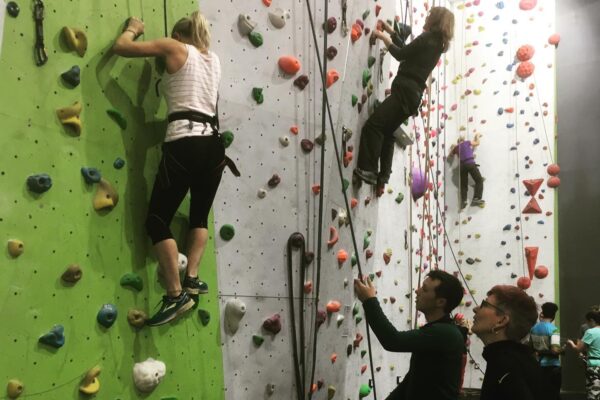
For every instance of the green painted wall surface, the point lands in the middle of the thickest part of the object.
(60, 227)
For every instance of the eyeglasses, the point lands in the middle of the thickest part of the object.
(485, 303)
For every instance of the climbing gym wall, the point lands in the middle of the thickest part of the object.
(78, 258)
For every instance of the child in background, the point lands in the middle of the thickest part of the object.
(464, 149)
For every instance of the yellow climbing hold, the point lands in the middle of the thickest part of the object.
(76, 39)
(15, 247)
(14, 388)
(69, 116)
(106, 195)
(90, 383)
(330, 392)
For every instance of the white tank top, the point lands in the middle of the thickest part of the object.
(193, 87)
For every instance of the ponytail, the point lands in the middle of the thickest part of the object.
(195, 27)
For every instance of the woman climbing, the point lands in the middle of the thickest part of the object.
(417, 60)
(468, 166)
(193, 154)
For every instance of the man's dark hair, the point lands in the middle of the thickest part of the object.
(593, 316)
(449, 289)
(549, 310)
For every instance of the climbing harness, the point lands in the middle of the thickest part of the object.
(40, 50)
(297, 241)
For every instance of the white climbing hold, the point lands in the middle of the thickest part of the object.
(148, 374)
(234, 312)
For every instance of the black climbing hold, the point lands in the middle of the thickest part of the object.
(470, 261)
(39, 183)
(506, 227)
(91, 175)
(204, 316)
(227, 232)
(503, 243)
(12, 8)
(119, 163)
(72, 76)
(296, 240)
(349, 350)
(331, 53)
(498, 264)
(301, 82)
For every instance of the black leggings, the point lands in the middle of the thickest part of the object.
(465, 171)
(376, 149)
(192, 163)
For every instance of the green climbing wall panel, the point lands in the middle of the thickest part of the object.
(60, 227)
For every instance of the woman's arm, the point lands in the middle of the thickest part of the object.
(126, 46)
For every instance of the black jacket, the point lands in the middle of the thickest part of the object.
(418, 58)
(436, 348)
(512, 372)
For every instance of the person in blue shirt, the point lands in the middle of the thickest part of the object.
(590, 344)
(545, 340)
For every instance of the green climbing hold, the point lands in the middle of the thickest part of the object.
(227, 232)
(345, 184)
(399, 198)
(227, 138)
(366, 14)
(204, 316)
(354, 100)
(320, 139)
(366, 240)
(372, 277)
(169, 398)
(258, 340)
(364, 391)
(355, 309)
(358, 319)
(371, 61)
(353, 260)
(257, 95)
(132, 280)
(255, 38)
(376, 104)
(118, 117)
(363, 353)
(366, 77)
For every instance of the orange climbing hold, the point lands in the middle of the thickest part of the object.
(333, 237)
(289, 64)
(333, 358)
(356, 32)
(353, 203)
(554, 39)
(267, 3)
(554, 182)
(531, 254)
(308, 286)
(333, 306)
(294, 129)
(524, 282)
(525, 69)
(525, 52)
(342, 256)
(332, 77)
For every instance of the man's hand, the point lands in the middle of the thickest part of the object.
(364, 292)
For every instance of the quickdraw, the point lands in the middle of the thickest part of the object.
(41, 57)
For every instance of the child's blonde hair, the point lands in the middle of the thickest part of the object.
(195, 27)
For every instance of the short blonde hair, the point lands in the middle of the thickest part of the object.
(195, 27)
(441, 20)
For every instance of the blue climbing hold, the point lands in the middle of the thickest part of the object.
(39, 183)
(119, 163)
(507, 227)
(91, 175)
(500, 110)
(72, 76)
(55, 338)
(531, 129)
(536, 141)
(540, 222)
(496, 18)
(501, 53)
(107, 315)
(516, 93)
(511, 125)
(500, 5)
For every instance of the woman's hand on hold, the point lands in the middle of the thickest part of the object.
(136, 25)
(364, 291)
(386, 27)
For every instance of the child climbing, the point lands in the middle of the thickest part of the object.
(464, 149)
(417, 60)
(193, 154)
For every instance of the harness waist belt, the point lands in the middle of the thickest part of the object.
(195, 116)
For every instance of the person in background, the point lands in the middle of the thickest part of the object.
(590, 345)
(464, 149)
(193, 153)
(417, 60)
(502, 321)
(545, 340)
(437, 347)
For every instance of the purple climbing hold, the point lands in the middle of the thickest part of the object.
(331, 53)
(273, 324)
(418, 184)
(321, 317)
(306, 145)
(331, 25)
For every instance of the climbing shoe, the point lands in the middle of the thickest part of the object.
(171, 308)
(365, 176)
(478, 203)
(194, 286)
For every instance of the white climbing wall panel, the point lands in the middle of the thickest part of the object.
(252, 266)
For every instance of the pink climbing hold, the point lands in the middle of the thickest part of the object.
(321, 317)
(377, 10)
(289, 64)
(553, 169)
(353, 203)
(554, 39)
(554, 182)
(273, 324)
(333, 358)
(541, 272)
(308, 286)
(527, 5)
(333, 306)
(525, 69)
(524, 282)
(369, 253)
(418, 184)
(525, 52)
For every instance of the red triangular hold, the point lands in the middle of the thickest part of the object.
(531, 254)
(533, 185)
(532, 207)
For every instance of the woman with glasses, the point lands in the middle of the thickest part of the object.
(502, 321)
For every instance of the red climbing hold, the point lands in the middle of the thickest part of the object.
(554, 39)
(531, 254)
(527, 5)
(342, 256)
(554, 182)
(333, 358)
(553, 169)
(356, 32)
(525, 52)
(524, 282)
(308, 286)
(332, 77)
(541, 272)
(363, 369)
(525, 69)
(333, 306)
(533, 185)
(369, 253)
(333, 237)
(532, 207)
(316, 189)
(289, 64)
(267, 3)
(294, 129)
(347, 158)
(353, 203)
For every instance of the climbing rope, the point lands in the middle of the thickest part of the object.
(327, 107)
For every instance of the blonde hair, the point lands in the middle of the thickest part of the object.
(441, 20)
(195, 27)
